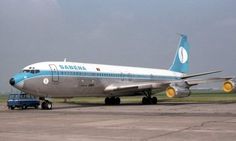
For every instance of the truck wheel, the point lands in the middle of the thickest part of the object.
(24, 107)
(12, 107)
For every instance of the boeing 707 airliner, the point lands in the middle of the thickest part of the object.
(69, 79)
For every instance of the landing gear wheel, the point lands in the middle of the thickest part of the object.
(49, 105)
(149, 100)
(107, 101)
(43, 105)
(154, 100)
(145, 101)
(46, 105)
(117, 101)
(112, 100)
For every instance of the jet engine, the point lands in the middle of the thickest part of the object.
(229, 86)
(177, 92)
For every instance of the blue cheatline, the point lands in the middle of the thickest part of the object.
(181, 61)
(25, 76)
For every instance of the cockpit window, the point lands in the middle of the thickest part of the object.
(31, 71)
(26, 71)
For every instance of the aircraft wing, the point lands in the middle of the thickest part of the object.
(200, 74)
(143, 86)
(193, 82)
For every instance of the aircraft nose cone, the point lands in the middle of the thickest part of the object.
(12, 81)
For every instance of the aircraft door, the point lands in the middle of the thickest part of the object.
(55, 73)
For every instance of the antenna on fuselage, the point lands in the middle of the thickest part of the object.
(64, 59)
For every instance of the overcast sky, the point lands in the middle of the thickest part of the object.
(121, 32)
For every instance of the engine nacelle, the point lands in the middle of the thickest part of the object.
(229, 86)
(177, 92)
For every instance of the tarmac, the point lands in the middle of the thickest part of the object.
(161, 122)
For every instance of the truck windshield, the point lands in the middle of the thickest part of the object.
(12, 96)
(23, 96)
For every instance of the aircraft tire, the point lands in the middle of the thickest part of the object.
(46, 105)
(154, 100)
(112, 100)
(107, 101)
(117, 101)
(49, 105)
(145, 101)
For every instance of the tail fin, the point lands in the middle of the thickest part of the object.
(181, 62)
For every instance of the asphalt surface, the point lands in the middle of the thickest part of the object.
(162, 122)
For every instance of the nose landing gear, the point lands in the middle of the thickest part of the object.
(46, 104)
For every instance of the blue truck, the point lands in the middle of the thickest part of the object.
(22, 101)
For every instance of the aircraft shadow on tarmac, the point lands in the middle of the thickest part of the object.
(69, 105)
(72, 105)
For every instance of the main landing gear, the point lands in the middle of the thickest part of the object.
(46, 104)
(112, 100)
(148, 99)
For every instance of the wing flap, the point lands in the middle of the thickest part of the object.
(142, 86)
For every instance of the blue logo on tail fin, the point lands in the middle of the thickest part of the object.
(181, 62)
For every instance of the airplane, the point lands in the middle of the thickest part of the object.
(63, 79)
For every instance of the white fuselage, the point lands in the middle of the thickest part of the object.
(69, 79)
